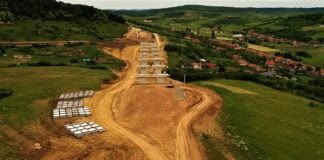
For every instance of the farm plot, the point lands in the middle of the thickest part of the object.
(262, 48)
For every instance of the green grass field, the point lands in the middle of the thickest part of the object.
(262, 48)
(56, 30)
(34, 91)
(71, 56)
(316, 52)
(33, 84)
(269, 125)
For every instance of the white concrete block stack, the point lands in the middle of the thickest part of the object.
(82, 129)
(72, 105)
(71, 112)
(78, 95)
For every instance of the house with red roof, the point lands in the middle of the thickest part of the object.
(270, 64)
(242, 62)
(321, 72)
(209, 65)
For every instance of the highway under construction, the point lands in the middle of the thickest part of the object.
(143, 118)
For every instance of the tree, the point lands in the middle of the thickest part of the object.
(303, 54)
(2, 50)
(188, 31)
(213, 34)
(221, 69)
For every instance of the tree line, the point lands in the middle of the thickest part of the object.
(51, 10)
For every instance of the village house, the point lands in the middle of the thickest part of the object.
(238, 36)
(209, 65)
(242, 62)
(236, 57)
(203, 65)
(321, 72)
(196, 65)
(147, 21)
(270, 64)
(278, 59)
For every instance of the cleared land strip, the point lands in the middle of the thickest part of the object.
(230, 88)
(186, 144)
(103, 101)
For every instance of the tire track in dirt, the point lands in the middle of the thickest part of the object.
(186, 144)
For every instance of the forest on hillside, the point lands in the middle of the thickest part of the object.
(14, 10)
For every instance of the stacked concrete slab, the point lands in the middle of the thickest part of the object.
(85, 128)
(78, 94)
(152, 64)
(72, 105)
(71, 112)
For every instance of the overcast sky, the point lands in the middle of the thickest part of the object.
(146, 4)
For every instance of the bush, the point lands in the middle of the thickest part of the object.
(43, 63)
(109, 79)
(303, 54)
(36, 45)
(70, 44)
(5, 93)
(96, 66)
(291, 56)
(73, 60)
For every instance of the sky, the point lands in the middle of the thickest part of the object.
(150, 4)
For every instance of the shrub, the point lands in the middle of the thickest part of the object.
(303, 54)
(5, 93)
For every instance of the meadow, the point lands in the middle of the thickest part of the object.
(317, 53)
(35, 90)
(268, 125)
(62, 56)
(262, 48)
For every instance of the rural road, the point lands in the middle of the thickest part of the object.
(186, 146)
(104, 100)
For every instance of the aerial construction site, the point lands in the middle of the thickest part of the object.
(142, 115)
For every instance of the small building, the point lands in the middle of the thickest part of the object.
(236, 57)
(242, 62)
(238, 36)
(196, 65)
(270, 64)
(278, 59)
(321, 72)
(147, 21)
(209, 65)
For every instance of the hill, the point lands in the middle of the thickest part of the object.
(229, 20)
(28, 20)
(52, 10)
(265, 123)
(212, 9)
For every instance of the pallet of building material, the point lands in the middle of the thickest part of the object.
(82, 129)
(70, 103)
(77, 95)
(71, 112)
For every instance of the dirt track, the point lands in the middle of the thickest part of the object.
(105, 101)
(186, 145)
